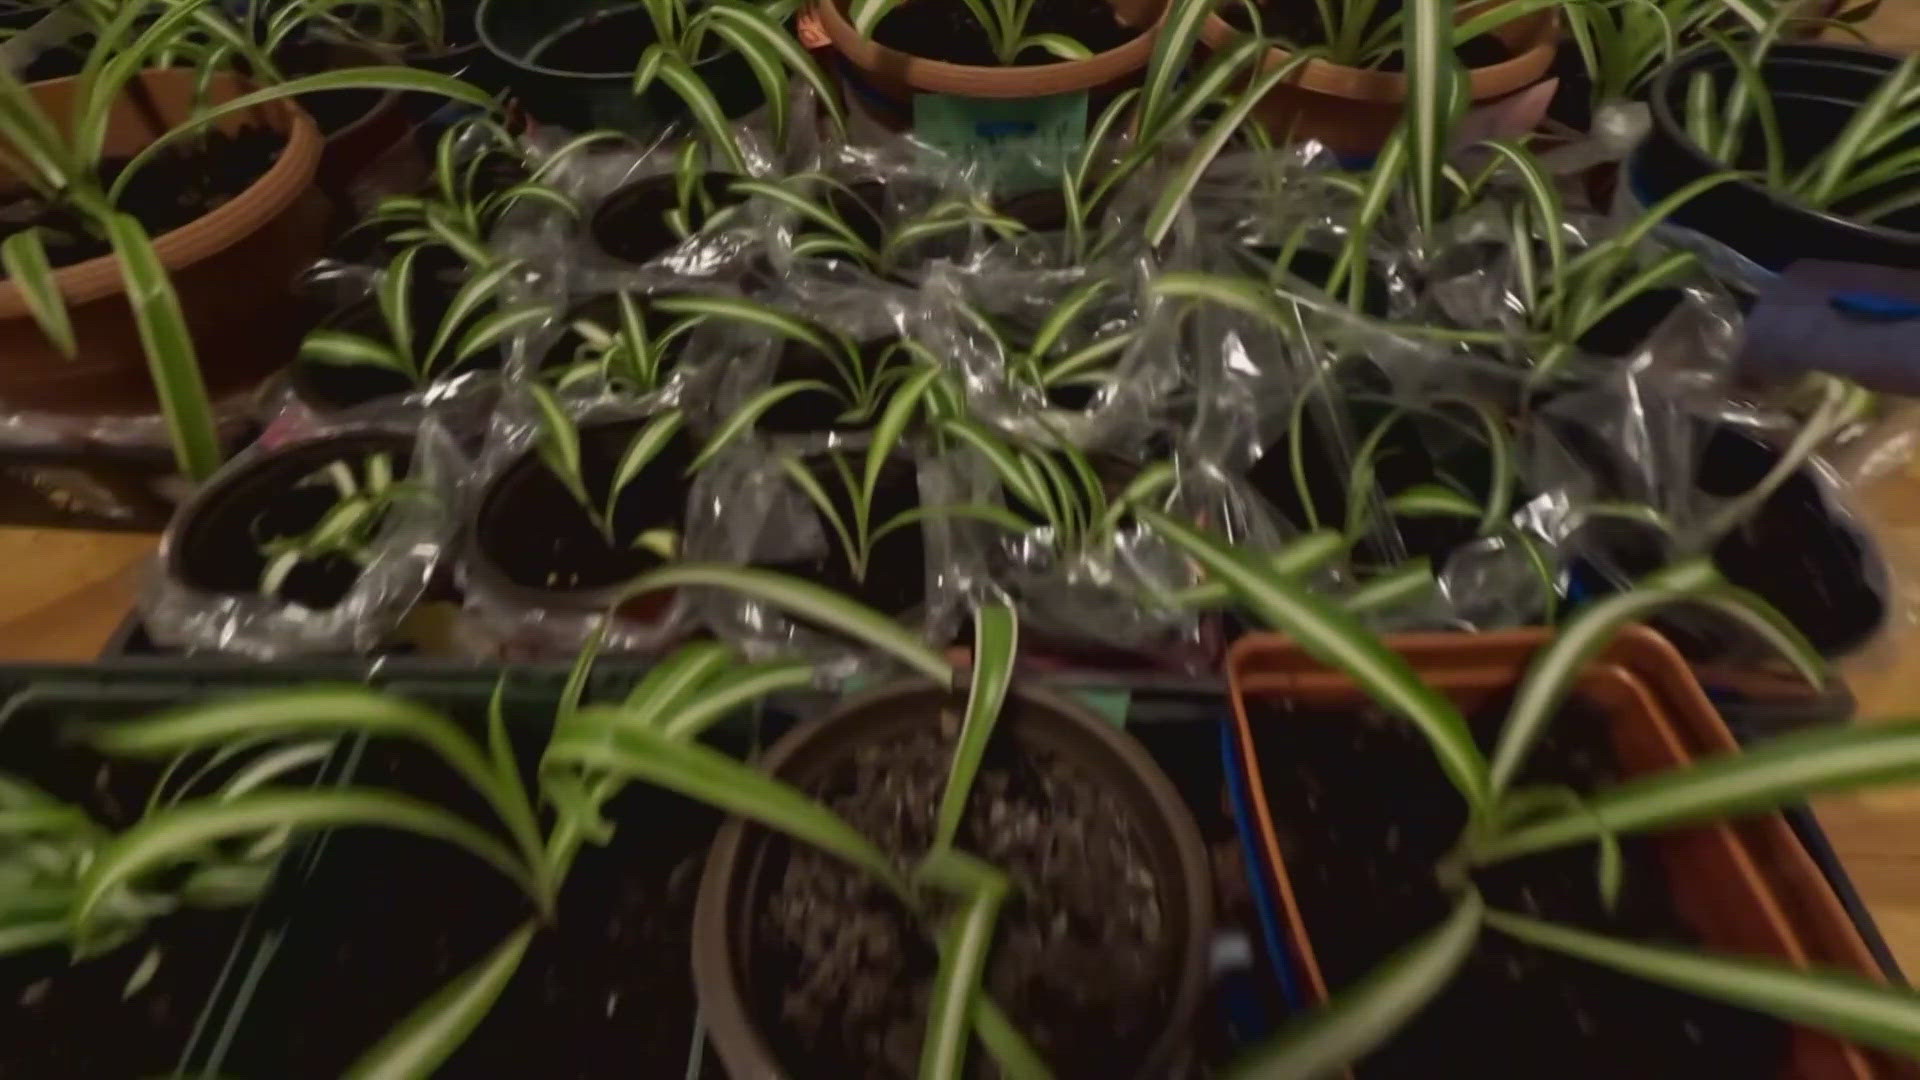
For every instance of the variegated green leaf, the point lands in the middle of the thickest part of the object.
(996, 644)
(417, 1047)
(25, 259)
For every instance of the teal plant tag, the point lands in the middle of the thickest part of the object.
(1021, 144)
(1110, 704)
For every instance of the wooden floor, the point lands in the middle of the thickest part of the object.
(63, 593)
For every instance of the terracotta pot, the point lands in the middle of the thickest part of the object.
(1746, 888)
(898, 76)
(722, 923)
(233, 269)
(1353, 110)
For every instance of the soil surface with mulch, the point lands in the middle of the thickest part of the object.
(1364, 815)
(184, 182)
(841, 973)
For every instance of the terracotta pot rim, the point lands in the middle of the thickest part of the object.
(221, 228)
(1534, 38)
(981, 81)
(717, 981)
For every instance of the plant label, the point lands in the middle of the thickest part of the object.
(1021, 145)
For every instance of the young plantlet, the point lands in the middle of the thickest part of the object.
(1057, 486)
(62, 162)
(468, 199)
(477, 319)
(1047, 360)
(1005, 23)
(685, 34)
(821, 206)
(361, 510)
(559, 449)
(627, 357)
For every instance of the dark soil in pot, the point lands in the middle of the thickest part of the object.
(602, 43)
(1301, 25)
(817, 411)
(217, 548)
(951, 32)
(77, 1019)
(1795, 551)
(1624, 329)
(1362, 871)
(841, 972)
(539, 538)
(181, 184)
(896, 575)
(631, 224)
(387, 918)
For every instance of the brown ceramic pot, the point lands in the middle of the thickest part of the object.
(899, 75)
(233, 270)
(1353, 110)
(1746, 887)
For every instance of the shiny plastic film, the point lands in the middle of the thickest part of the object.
(314, 540)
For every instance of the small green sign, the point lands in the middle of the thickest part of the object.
(1022, 144)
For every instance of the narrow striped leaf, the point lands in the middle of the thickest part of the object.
(770, 36)
(409, 80)
(996, 644)
(738, 688)
(25, 258)
(559, 444)
(1432, 75)
(766, 68)
(1412, 579)
(852, 535)
(1869, 121)
(476, 291)
(346, 349)
(807, 601)
(963, 956)
(900, 410)
(25, 937)
(493, 328)
(1433, 500)
(1059, 45)
(1064, 315)
(1852, 1007)
(1337, 639)
(1550, 677)
(1179, 31)
(185, 830)
(1365, 1015)
(646, 446)
(1001, 458)
(997, 516)
(671, 680)
(1174, 194)
(1302, 556)
(1146, 484)
(749, 412)
(705, 108)
(171, 360)
(711, 777)
(1075, 179)
(421, 1043)
(1003, 1042)
(394, 294)
(1783, 770)
(748, 313)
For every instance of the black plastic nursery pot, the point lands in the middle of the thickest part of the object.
(570, 63)
(1816, 89)
(631, 223)
(214, 544)
(531, 542)
(804, 970)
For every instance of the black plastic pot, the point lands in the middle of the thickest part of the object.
(1816, 89)
(571, 63)
(743, 866)
(631, 224)
(214, 544)
(532, 543)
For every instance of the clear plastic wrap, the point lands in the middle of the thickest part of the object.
(748, 509)
(511, 619)
(396, 562)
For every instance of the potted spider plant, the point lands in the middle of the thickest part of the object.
(411, 338)
(620, 64)
(1498, 918)
(1829, 131)
(882, 810)
(644, 222)
(1372, 59)
(151, 215)
(318, 545)
(996, 49)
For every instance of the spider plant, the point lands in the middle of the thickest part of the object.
(62, 162)
(1057, 353)
(1506, 821)
(467, 200)
(413, 24)
(686, 34)
(1870, 157)
(559, 448)
(1005, 23)
(1062, 497)
(812, 197)
(475, 320)
(361, 507)
(629, 357)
